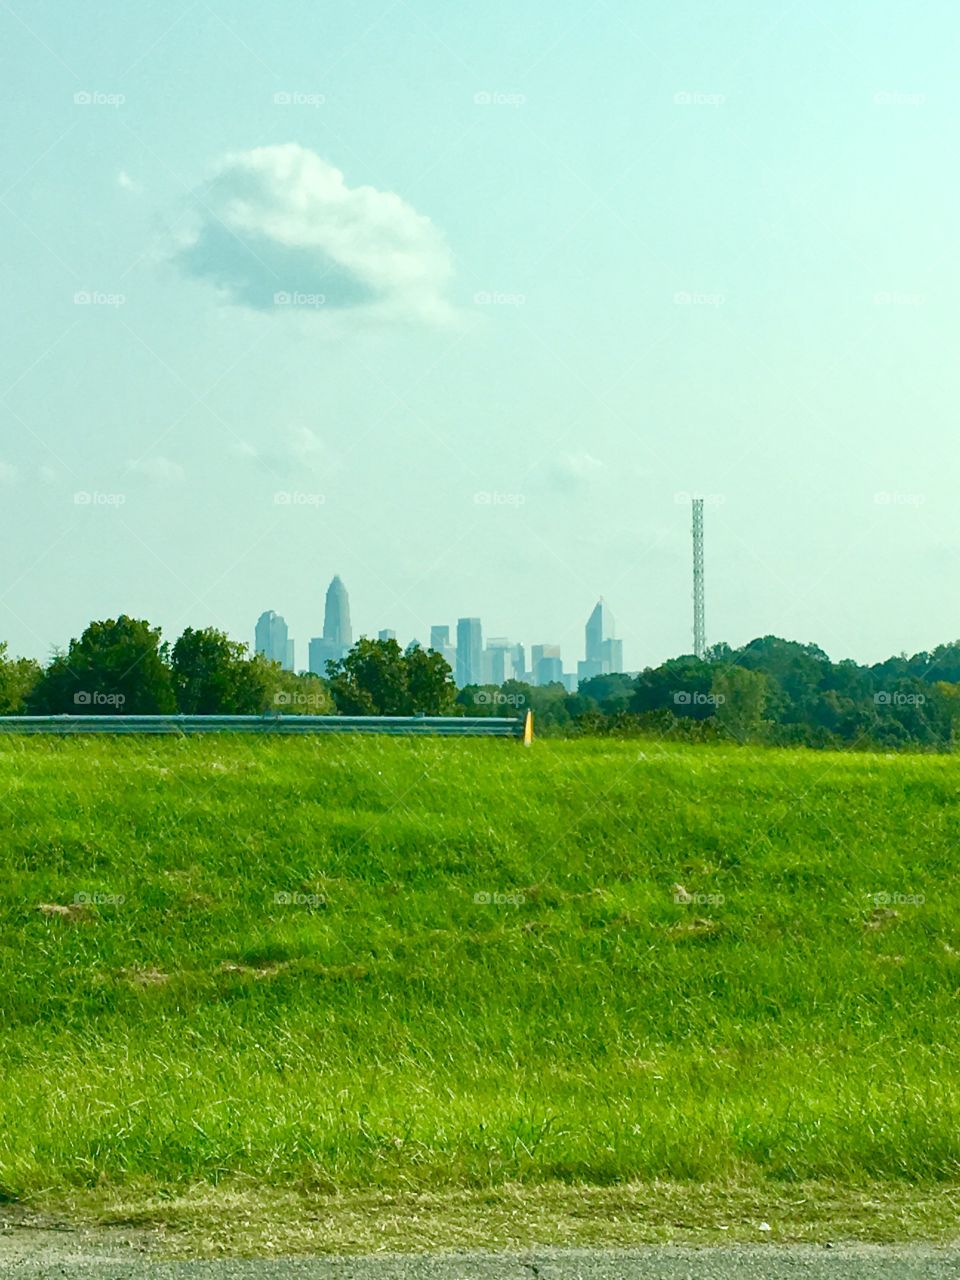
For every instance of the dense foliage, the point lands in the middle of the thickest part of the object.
(770, 690)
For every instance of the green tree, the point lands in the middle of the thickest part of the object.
(740, 697)
(430, 684)
(18, 677)
(117, 667)
(298, 693)
(214, 675)
(377, 678)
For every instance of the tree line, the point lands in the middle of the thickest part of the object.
(122, 666)
(768, 691)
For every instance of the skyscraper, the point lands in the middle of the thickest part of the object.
(469, 651)
(337, 634)
(440, 643)
(336, 615)
(271, 639)
(386, 635)
(604, 654)
(599, 626)
(546, 663)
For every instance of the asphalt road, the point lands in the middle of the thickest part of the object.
(750, 1262)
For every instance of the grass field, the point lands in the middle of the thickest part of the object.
(338, 965)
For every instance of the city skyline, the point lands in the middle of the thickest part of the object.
(471, 660)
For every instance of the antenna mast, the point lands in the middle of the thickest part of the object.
(699, 627)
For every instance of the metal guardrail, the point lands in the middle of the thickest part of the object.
(520, 727)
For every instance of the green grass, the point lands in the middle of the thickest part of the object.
(385, 1031)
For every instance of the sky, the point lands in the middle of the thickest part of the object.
(464, 301)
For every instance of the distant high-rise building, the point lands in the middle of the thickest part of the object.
(604, 654)
(546, 664)
(469, 652)
(440, 643)
(336, 615)
(386, 635)
(337, 634)
(519, 662)
(548, 671)
(497, 660)
(271, 639)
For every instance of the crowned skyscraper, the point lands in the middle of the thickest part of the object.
(337, 634)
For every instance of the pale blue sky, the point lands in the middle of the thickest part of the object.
(621, 252)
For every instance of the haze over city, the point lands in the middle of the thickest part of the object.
(464, 303)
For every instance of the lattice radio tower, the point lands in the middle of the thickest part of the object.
(699, 626)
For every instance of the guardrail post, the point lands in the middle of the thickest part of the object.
(528, 729)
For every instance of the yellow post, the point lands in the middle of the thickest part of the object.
(528, 729)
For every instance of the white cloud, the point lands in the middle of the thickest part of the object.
(293, 450)
(278, 229)
(574, 470)
(158, 470)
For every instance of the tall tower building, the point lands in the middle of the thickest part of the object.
(337, 633)
(604, 654)
(469, 652)
(336, 615)
(440, 643)
(271, 639)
